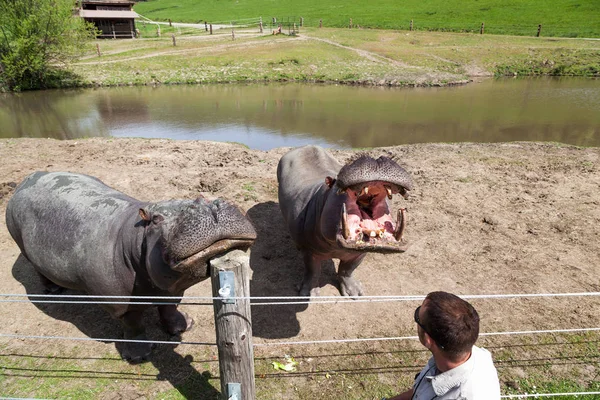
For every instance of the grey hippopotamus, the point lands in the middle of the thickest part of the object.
(81, 234)
(335, 211)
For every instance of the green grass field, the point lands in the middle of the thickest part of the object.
(564, 18)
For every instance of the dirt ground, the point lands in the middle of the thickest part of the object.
(483, 219)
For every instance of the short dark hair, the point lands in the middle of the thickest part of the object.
(452, 322)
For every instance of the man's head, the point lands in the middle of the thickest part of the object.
(451, 322)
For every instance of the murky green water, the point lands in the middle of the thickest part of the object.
(563, 110)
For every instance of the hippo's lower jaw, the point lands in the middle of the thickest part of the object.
(372, 246)
(196, 266)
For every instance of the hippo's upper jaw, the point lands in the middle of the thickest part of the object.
(366, 223)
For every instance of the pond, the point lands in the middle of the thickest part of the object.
(267, 116)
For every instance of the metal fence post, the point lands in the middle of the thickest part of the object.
(230, 277)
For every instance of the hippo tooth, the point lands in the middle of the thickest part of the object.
(400, 224)
(341, 191)
(389, 192)
(366, 190)
(359, 237)
(345, 229)
(372, 234)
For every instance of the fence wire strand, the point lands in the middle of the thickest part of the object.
(291, 343)
(281, 300)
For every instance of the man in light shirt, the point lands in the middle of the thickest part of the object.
(448, 326)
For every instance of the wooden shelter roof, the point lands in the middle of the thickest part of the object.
(125, 14)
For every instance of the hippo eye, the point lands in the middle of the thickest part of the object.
(157, 219)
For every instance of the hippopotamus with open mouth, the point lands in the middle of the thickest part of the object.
(336, 211)
(81, 234)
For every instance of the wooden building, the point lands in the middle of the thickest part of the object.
(114, 18)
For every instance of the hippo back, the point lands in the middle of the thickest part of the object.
(300, 174)
(64, 223)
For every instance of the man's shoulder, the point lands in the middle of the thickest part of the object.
(483, 382)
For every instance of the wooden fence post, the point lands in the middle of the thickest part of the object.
(98, 49)
(232, 35)
(260, 27)
(158, 30)
(211, 29)
(320, 23)
(411, 24)
(206, 26)
(301, 21)
(482, 28)
(173, 36)
(350, 25)
(539, 30)
(233, 324)
(170, 24)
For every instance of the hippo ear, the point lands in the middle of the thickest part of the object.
(329, 181)
(145, 214)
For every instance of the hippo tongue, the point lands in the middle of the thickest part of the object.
(377, 235)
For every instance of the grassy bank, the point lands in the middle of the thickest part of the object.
(566, 18)
(357, 56)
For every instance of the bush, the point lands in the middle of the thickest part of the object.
(38, 40)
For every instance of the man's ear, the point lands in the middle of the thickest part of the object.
(329, 181)
(428, 341)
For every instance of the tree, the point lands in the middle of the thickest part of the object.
(38, 40)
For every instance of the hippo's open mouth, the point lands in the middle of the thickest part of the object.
(366, 223)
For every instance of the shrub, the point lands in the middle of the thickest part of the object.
(38, 40)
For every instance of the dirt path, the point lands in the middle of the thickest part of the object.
(483, 219)
(378, 58)
(210, 49)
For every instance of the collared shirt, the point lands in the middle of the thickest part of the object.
(475, 379)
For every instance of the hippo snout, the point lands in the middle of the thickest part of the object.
(190, 227)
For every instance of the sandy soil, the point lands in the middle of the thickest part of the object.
(483, 219)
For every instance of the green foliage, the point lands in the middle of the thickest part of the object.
(38, 39)
(565, 18)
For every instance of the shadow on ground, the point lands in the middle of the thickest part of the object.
(277, 271)
(96, 323)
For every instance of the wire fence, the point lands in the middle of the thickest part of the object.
(292, 24)
(284, 300)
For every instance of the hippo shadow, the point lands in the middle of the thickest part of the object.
(95, 322)
(277, 270)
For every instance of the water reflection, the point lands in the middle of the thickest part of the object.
(268, 116)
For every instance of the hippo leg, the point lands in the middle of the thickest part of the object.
(312, 271)
(348, 285)
(134, 330)
(173, 320)
(49, 286)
